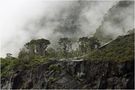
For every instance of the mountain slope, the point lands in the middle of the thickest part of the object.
(110, 66)
(120, 49)
(116, 20)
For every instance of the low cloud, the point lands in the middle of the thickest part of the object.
(23, 20)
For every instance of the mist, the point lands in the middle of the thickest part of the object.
(23, 20)
(118, 21)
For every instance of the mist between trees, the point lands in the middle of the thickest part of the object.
(65, 49)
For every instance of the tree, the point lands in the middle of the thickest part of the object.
(86, 44)
(51, 52)
(8, 55)
(31, 46)
(37, 46)
(42, 45)
(24, 55)
(93, 43)
(83, 44)
(65, 44)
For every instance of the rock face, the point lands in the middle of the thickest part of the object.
(74, 75)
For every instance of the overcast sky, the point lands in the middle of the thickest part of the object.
(14, 14)
(23, 20)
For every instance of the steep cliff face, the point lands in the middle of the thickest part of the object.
(74, 74)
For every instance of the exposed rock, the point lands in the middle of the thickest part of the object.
(81, 74)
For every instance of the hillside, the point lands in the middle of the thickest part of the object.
(120, 49)
(109, 66)
(114, 21)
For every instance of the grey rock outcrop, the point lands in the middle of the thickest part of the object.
(75, 75)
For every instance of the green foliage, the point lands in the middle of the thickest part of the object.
(88, 44)
(121, 49)
(33, 62)
(25, 60)
(51, 53)
(55, 67)
(7, 66)
(66, 45)
(24, 56)
(38, 41)
(93, 42)
(37, 46)
(83, 44)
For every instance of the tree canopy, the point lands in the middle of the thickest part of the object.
(65, 44)
(37, 46)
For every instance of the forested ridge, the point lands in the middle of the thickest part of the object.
(37, 52)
